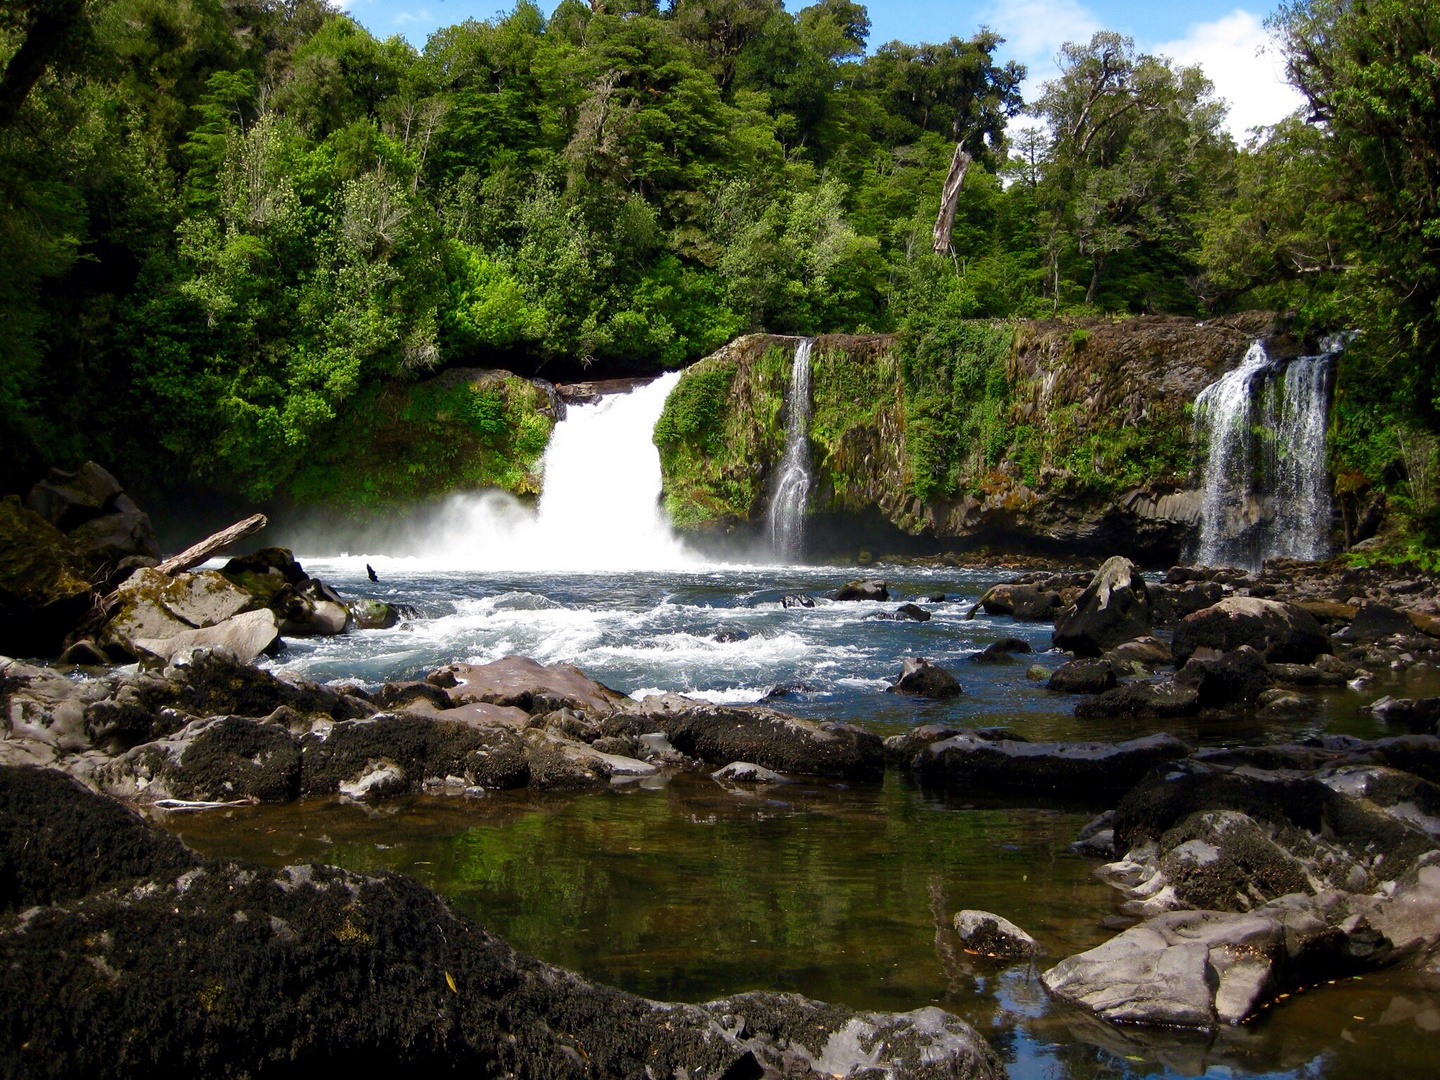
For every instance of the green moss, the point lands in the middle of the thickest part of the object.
(719, 434)
(409, 441)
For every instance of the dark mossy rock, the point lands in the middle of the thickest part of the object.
(1282, 633)
(1114, 609)
(59, 842)
(1163, 699)
(1075, 770)
(214, 684)
(720, 734)
(44, 589)
(391, 755)
(265, 572)
(920, 677)
(210, 970)
(1238, 677)
(374, 614)
(862, 589)
(1093, 676)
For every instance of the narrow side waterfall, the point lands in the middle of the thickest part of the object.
(786, 516)
(1265, 488)
(599, 509)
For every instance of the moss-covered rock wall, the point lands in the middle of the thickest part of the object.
(464, 429)
(1060, 434)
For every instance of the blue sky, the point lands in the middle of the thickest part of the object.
(1226, 37)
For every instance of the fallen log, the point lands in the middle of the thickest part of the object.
(193, 556)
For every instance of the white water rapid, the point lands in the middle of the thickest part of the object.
(786, 516)
(1265, 489)
(599, 509)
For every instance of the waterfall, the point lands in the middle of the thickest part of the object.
(1265, 489)
(599, 509)
(786, 517)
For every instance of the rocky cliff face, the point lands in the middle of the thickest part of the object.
(1057, 435)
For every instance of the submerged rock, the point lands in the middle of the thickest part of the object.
(1165, 699)
(1114, 609)
(1234, 678)
(747, 772)
(221, 969)
(1000, 652)
(990, 935)
(921, 678)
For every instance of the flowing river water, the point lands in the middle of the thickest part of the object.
(684, 888)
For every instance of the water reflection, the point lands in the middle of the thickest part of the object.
(842, 893)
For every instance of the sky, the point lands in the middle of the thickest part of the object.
(1227, 38)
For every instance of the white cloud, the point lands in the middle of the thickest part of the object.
(403, 17)
(1034, 30)
(1238, 55)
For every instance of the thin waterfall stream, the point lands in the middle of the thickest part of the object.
(1264, 482)
(786, 516)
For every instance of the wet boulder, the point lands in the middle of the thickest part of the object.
(185, 965)
(1142, 654)
(1083, 677)
(561, 763)
(1029, 603)
(720, 734)
(863, 589)
(67, 499)
(124, 532)
(374, 614)
(920, 678)
(1163, 699)
(1234, 678)
(1282, 633)
(797, 600)
(44, 588)
(525, 684)
(1082, 770)
(1114, 609)
(1373, 621)
(987, 934)
(913, 612)
(1000, 652)
(1195, 969)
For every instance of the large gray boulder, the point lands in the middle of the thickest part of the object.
(1282, 633)
(150, 605)
(246, 637)
(1114, 609)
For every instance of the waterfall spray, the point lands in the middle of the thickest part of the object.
(1265, 489)
(786, 517)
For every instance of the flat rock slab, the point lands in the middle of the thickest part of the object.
(526, 684)
(246, 637)
(1082, 770)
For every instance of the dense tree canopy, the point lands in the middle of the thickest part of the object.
(221, 220)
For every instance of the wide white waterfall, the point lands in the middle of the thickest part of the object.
(786, 516)
(1265, 488)
(599, 509)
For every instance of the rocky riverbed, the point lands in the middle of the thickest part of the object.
(1245, 870)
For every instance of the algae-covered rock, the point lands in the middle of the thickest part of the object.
(44, 590)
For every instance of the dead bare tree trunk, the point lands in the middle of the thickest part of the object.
(213, 544)
(950, 197)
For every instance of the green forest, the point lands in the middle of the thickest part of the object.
(222, 221)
